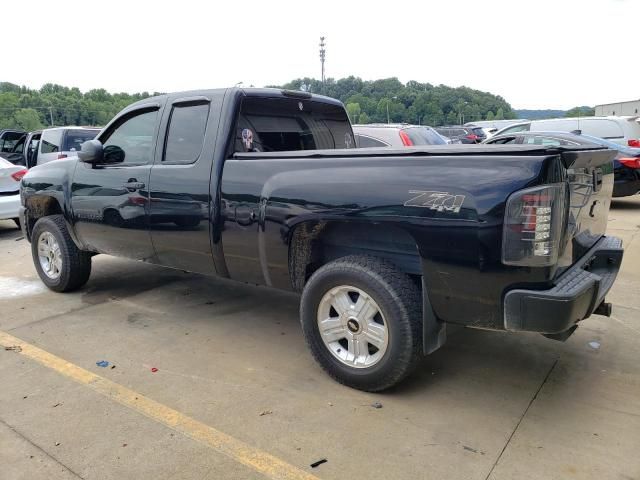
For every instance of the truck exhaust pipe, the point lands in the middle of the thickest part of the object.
(604, 308)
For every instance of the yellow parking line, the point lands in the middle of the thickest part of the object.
(239, 451)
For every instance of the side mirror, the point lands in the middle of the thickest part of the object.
(91, 152)
(112, 154)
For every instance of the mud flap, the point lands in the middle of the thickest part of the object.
(434, 332)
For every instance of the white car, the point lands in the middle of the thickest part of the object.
(10, 176)
(621, 130)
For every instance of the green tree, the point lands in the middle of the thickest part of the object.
(364, 118)
(353, 110)
(27, 119)
(580, 112)
(500, 114)
(490, 115)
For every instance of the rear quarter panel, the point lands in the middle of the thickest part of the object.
(460, 248)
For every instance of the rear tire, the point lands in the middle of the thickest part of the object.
(386, 339)
(60, 264)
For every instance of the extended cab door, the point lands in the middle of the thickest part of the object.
(180, 196)
(110, 203)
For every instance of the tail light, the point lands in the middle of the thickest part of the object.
(630, 162)
(17, 176)
(533, 226)
(473, 137)
(406, 141)
(634, 143)
(61, 156)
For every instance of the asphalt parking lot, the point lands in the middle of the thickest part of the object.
(212, 379)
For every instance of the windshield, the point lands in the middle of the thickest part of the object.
(424, 136)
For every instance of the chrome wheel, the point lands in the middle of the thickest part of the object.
(49, 255)
(352, 326)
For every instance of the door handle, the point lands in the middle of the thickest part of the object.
(132, 185)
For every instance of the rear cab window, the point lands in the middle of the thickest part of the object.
(76, 137)
(267, 124)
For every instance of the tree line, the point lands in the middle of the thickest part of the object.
(31, 109)
(366, 101)
(388, 99)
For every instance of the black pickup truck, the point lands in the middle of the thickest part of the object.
(386, 246)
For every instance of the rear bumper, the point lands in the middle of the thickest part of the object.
(577, 293)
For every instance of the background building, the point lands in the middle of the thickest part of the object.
(631, 107)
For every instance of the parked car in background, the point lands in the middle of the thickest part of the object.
(463, 134)
(626, 164)
(396, 135)
(62, 142)
(9, 138)
(495, 124)
(621, 130)
(10, 176)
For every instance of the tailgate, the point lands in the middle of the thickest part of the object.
(590, 176)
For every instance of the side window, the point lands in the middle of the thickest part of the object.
(185, 134)
(365, 142)
(51, 140)
(134, 136)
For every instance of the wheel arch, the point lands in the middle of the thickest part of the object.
(38, 206)
(314, 243)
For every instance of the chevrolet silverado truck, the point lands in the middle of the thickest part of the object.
(386, 246)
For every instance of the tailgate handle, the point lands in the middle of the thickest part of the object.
(597, 179)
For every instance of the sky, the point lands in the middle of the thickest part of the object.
(534, 53)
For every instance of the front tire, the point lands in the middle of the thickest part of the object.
(361, 317)
(60, 264)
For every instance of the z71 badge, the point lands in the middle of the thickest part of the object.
(439, 201)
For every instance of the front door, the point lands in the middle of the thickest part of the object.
(110, 203)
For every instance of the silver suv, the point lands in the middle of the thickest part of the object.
(396, 135)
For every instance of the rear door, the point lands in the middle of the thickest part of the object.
(180, 196)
